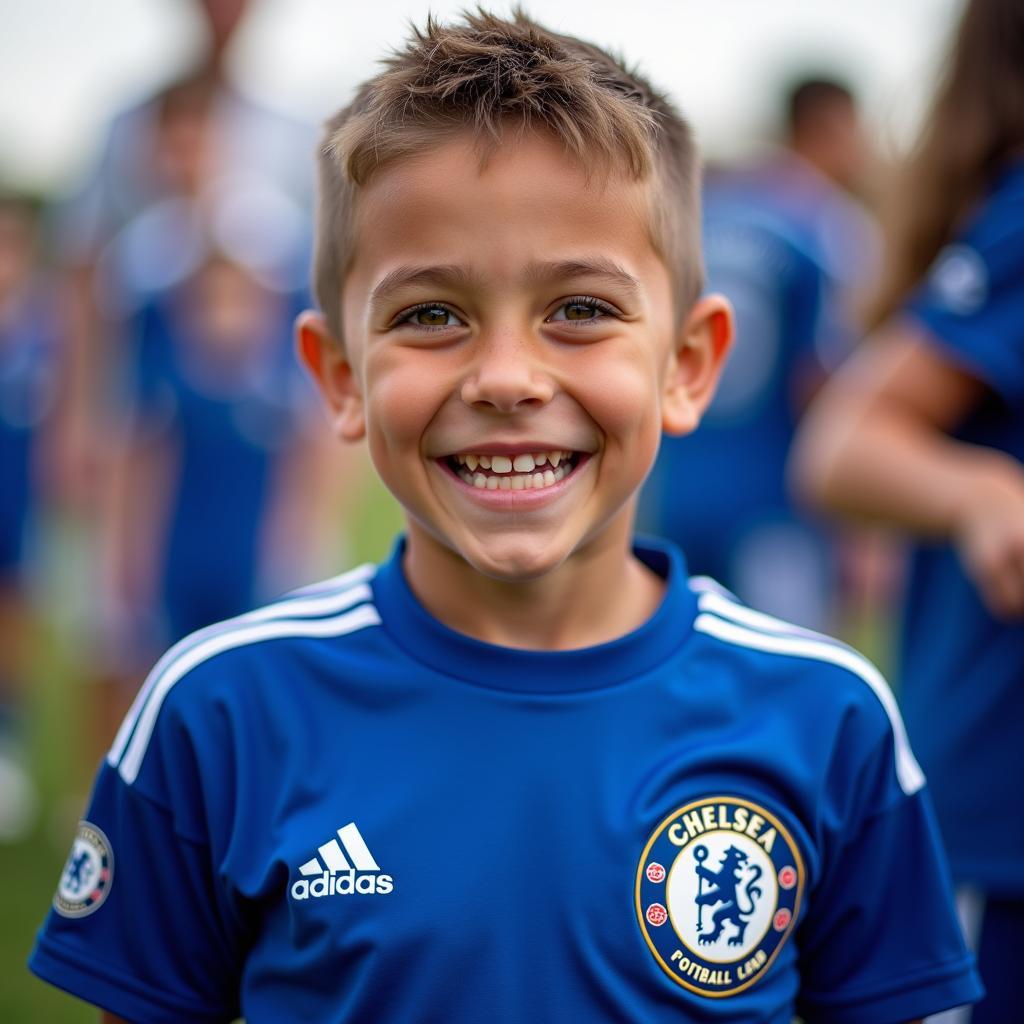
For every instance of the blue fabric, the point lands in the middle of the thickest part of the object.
(1002, 935)
(227, 424)
(720, 492)
(29, 354)
(961, 668)
(509, 803)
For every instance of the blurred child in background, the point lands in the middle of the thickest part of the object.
(194, 134)
(222, 447)
(924, 430)
(788, 244)
(199, 290)
(30, 349)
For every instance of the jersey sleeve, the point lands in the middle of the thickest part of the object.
(881, 941)
(139, 925)
(972, 302)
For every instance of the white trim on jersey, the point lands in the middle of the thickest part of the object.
(708, 584)
(246, 634)
(329, 597)
(908, 772)
(355, 591)
(360, 574)
(725, 606)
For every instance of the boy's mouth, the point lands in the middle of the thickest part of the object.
(522, 472)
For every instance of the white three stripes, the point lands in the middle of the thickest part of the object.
(334, 858)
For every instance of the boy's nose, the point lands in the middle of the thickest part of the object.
(507, 374)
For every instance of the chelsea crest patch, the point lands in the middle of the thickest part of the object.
(85, 880)
(718, 891)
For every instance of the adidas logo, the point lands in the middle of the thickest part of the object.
(335, 874)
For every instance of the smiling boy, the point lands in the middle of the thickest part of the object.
(527, 770)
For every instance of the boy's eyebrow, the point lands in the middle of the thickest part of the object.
(585, 266)
(452, 275)
(443, 276)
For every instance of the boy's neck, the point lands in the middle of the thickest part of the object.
(600, 593)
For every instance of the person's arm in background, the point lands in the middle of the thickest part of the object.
(875, 444)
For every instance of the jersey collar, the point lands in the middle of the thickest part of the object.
(413, 629)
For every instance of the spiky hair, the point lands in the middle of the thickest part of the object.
(491, 76)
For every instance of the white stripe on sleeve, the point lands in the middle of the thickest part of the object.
(296, 608)
(246, 633)
(909, 773)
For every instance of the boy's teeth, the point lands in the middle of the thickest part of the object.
(507, 481)
(526, 462)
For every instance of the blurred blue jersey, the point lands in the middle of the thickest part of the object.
(337, 809)
(962, 670)
(721, 492)
(227, 421)
(29, 361)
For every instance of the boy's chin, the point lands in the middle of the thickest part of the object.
(514, 562)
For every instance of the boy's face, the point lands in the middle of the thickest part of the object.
(516, 317)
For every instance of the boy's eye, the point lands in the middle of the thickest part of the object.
(434, 316)
(581, 309)
(429, 315)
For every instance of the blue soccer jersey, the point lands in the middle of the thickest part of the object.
(337, 809)
(962, 669)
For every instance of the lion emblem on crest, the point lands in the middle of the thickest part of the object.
(733, 885)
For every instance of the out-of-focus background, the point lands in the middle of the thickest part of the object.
(162, 461)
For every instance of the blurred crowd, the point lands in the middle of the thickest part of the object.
(149, 395)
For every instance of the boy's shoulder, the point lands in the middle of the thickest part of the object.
(804, 675)
(255, 660)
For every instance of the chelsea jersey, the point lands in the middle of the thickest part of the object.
(337, 809)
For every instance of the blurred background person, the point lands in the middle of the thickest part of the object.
(31, 347)
(188, 248)
(219, 496)
(924, 430)
(789, 244)
(196, 133)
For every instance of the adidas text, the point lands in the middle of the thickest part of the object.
(342, 884)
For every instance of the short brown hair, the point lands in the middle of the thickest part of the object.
(484, 75)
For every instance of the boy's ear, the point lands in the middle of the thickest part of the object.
(696, 364)
(323, 356)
